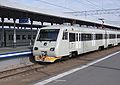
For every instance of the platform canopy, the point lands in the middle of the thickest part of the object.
(17, 11)
(21, 25)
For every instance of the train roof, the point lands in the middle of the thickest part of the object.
(9, 9)
(69, 26)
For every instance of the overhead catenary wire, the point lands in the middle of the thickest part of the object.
(85, 3)
(55, 5)
(115, 3)
(93, 4)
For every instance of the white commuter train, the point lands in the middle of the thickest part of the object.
(54, 42)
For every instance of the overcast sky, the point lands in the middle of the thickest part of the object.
(77, 5)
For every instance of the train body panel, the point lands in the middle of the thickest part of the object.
(118, 37)
(92, 42)
(58, 41)
(112, 38)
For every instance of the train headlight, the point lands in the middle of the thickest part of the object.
(35, 48)
(52, 49)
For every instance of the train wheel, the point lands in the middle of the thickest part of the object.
(75, 54)
(71, 55)
(32, 59)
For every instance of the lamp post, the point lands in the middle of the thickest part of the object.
(14, 35)
(3, 33)
(102, 19)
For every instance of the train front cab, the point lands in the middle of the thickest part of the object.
(45, 45)
(54, 43)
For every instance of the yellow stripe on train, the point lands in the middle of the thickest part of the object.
(46, 58)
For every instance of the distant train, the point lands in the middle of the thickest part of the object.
(54, 42)
(23, 37)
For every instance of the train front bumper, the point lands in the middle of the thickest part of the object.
(46, 58)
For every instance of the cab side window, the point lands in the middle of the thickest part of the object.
(65, 36)
(76, 36)
(71, 37)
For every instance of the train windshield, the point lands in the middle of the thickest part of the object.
(48, 35)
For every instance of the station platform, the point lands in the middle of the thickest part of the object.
(10, 52)
(104, 71)
(11, 58)
(16, 49)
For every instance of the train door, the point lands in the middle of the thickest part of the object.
(64, 46)
(106, 39)
(76, 40)
(72, 43)
(83, 42)
(86, 42)
(80, 44)
(116, 38)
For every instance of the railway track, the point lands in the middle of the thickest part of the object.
(20, 70)
(65, 63)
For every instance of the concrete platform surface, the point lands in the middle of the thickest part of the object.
(11, 58)
(105, 72)
(17, 49)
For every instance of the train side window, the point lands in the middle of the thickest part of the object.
(111, 36)
(71, 37)
(83, 38)
(118, 35)
(86, 37)
(34, 36)
(23, 37)
(65, 36)
(10, 37)
(99, 36)
(17, 37)
(29, 37)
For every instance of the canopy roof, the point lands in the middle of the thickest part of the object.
(15, 10)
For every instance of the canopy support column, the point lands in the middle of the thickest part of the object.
(3, 33)
(14, 36)
(31, 41)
